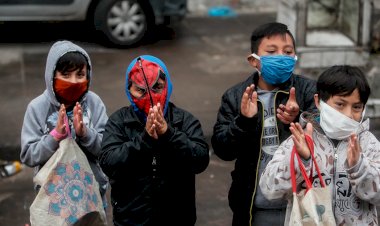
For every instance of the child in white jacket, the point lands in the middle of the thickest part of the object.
(347, 154)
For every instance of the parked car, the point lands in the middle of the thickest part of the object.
(120, 22)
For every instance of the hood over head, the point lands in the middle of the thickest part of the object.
(147, 69)
(57, 50)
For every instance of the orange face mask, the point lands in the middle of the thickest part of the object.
(67, 92)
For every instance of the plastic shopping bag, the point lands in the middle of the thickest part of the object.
(69, 193)
(313, 205)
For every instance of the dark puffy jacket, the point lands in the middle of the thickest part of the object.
(153, 182)
(238, 137)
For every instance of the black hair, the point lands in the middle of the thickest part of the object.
(269, 30)
(72, 61)
(342, 80)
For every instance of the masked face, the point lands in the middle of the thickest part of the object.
(148, 85)
(336, 125)
(69, 93)
(276, 69)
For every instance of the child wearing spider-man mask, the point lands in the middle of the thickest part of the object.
(152, 150)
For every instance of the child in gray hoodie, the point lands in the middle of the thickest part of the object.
(68, 75)
(347, 153)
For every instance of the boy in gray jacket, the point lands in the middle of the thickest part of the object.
(67, 77)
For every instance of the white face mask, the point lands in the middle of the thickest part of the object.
(335, 124)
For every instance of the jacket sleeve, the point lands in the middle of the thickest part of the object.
(188, 144)
(231, 129)
(91, 142)
(119, 150)
(365, 176)
(36, 147)
(275, 181)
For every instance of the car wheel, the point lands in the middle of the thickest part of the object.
(122, 22)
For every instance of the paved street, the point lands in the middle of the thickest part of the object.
(204, 56)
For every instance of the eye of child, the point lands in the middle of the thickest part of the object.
(140, 90)
(339, 105)
(63, 74)
(288, 52)
(158, 86)
(358, 107)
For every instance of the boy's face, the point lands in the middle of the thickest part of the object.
(69, 87)
(77, 76)
(144, 98)
(274, 45)
(138, 91)
(351, 106)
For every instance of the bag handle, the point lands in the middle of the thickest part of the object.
(308, 180)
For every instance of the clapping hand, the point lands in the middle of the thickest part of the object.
(161, 125)
(354, 150)
(61, 127)
(248, 106)
(298, 136)
(80, 128)
(156, 124)
(287, 113)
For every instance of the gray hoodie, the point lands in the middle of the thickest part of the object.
(37, 145)
(355, 190)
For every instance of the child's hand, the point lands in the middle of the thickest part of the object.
(150, 127)
(80, 128)
(298, 136)
(159, 122)
(354, 150)
(248, 106)
(60, 130)
(61, 127)
(288, 113)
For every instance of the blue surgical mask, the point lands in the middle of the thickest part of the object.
(276, 69)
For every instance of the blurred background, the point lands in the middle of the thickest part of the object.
(204, 44)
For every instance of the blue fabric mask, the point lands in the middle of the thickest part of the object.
(276, 69)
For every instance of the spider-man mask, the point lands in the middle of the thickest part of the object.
(147, 85)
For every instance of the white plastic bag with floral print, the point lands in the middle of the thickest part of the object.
(69, 193)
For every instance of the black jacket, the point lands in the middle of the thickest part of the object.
(238, 137)
(153, 181)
